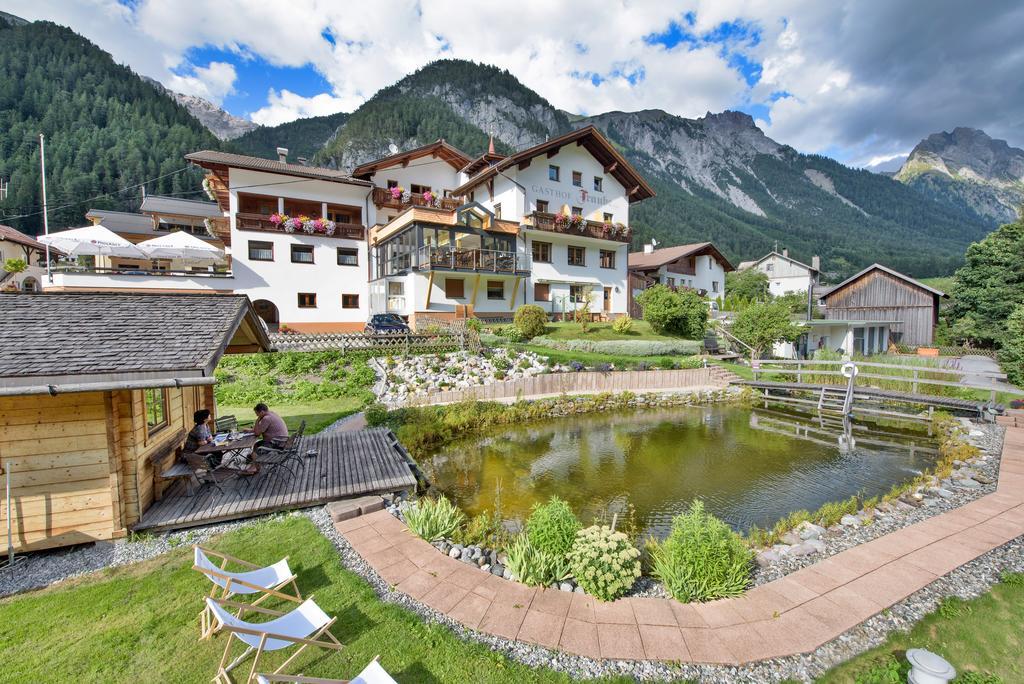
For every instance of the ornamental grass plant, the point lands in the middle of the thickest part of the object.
(552, 527)
(433, 519)
(534, 567)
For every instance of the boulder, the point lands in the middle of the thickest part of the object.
(498, 569)
(849, 521)
(766, 558)
(809, 530)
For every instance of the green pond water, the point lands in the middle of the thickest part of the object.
(750, 466)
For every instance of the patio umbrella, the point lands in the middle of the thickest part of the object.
(181, 245)
(92, 241)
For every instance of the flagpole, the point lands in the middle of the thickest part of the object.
(46, 222)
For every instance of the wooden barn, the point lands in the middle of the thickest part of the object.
(880, 293)
(95, 389)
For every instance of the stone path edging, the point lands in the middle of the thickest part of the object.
(788, 616)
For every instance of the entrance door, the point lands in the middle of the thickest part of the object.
(607, 300)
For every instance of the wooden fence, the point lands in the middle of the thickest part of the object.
(386, 344)
(586, 382)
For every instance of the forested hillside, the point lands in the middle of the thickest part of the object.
(105, 129)
(302, 137)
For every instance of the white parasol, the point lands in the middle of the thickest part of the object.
(92, 240)
(181, 245)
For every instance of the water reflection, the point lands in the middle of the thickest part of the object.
(750, 466)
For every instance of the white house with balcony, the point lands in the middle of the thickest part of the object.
(786, 274)
(296, 236)
(699, 266)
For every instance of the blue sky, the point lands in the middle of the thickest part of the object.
(856, 79)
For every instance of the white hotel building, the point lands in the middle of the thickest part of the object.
(428, 233)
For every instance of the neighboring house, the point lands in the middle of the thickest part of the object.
(698, 266)
(842, 336)
(786, 274)
(95, 389)
(16, 245)
(882, 294)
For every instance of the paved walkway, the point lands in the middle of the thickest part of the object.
(792, 615)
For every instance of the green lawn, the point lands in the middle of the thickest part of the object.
(603, 332)
(591, 359)
(139, 623)
(944, 283)
(317, 414)
(982, 636)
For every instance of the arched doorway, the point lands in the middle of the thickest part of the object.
(29, 284)
(266, 310)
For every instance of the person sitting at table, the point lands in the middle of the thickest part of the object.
(200, 435)
(269, 427)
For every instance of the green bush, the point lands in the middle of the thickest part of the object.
(531, 320)
(376, 414)
(484, 529)
(603, 562)
(1011, 356)
(622, 324)
(534, 567)
(433, 519)
(552, 527)
(682, 312)
(474, 324)
(762, 325)
(702, 558)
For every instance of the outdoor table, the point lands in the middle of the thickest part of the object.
(229, 448)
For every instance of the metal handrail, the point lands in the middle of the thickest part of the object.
(493, 260)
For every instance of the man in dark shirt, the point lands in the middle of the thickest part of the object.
(269, 427)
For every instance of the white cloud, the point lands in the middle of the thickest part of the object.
(213, 82)
(287, 106)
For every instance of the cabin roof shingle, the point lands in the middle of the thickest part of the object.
(179, 206)
(16, 236)
(207, 158)
(94, 340)
(643, 261)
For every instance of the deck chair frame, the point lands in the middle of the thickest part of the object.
(315, 639)
(293, 679)
(206, 624)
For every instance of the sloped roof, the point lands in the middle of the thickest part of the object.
(15, 235)
(158, 204)
(90, 341)
(886, 269)
(122, 221)
(594, 142)
(659, 257)
(747, 264)
(208, 158)
(440, 148)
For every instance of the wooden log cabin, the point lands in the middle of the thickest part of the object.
(96, 390)
(880, 293)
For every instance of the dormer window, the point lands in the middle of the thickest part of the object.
(553, 174)
(577, 179)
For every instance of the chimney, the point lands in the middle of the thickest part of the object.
(785, 252)
(490, 145)
(303, 161)
(282, 155)
(816, 262)
(648, 248)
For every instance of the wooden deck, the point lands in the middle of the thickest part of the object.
(872, 393)
(347, 464)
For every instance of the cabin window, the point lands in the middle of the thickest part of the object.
(577, 294)
(261, 251)
(497, 210)
(577, 211)
(671, 282)
(302, 254)
(156, 409)
(307, 300)
(542, 252)
(542, 206)
(348, 256)
(541, 292)
(342, 214)
(598, 183)
(495, 289)
(349, 301)
(607, 258)
(714, 286)
(577, 256)
(454, 288)
(577, 179)
(417, 189)
(553, 173)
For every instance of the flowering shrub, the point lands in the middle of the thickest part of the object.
(570, 221)
(552, 527)
(208, 224)
(576, 366)
(293, 224)
(603, 562)
(622, 324)
(396, 192)
(277, 219)
(208, 189)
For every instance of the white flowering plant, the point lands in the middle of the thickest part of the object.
(604, 562)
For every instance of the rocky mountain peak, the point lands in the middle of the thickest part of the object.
(222, 124)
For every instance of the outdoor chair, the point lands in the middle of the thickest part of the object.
(371, 674)
(267, 581)
(282, 456)
(306, 625)
(226, 424)
(207, 476)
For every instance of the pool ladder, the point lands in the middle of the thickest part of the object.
(836, 399)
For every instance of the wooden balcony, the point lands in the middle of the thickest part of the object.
(382, 198)
(593, 229)
(479, 260)
(261, 223)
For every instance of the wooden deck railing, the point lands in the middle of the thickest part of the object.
(595, 229)
(382, 197)
(261, 223)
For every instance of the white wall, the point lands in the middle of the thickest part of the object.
(534, 178)
(436, 173)
(36, 275)
(280, 281)
(561, 275)
(708, 275)
(784, 276)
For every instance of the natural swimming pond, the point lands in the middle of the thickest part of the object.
(750, 466)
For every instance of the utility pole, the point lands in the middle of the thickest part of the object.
(46, 218)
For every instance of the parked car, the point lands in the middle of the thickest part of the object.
(386, 324)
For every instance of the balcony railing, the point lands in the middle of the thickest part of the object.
(604, 231)
(396, 304)
(105, 271)
(261, 222)
(490, 260)
(382, 197)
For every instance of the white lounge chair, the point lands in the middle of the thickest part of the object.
(371, 674)
(306, 625)
(268, 581)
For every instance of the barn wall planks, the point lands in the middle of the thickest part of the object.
(879, 296)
